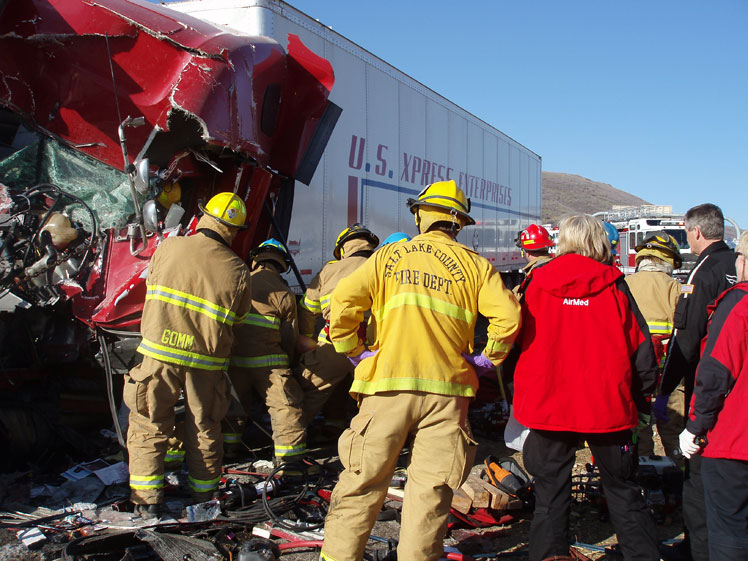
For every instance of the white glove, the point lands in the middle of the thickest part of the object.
(688, 445)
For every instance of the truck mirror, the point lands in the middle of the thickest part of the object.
(142, 184)
(150, 216)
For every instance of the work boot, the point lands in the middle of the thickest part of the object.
(203, 496)
(680, 551)
(149, 512)
(325, 435)
(231, 451)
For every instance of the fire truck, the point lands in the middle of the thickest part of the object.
(634, 224)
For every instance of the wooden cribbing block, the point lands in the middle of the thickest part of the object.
(476, 490)
(499, 499)
(461, 501)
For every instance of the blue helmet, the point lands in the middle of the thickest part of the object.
(396, 237)
(612, 236)
(272, 250)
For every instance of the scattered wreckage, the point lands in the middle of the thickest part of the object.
(259, 509)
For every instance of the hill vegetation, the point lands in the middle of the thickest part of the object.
(565, 193)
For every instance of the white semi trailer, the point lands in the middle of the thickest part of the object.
(394, 136)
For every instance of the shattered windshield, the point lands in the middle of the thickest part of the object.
(105, 189)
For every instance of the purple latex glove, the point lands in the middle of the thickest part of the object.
(480, 361)
(659, 408)
(358, 358)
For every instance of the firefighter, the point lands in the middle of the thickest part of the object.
(323, 368)
(535, 243)
(262, 353)
(613, 237)
(197, 291)
(656, 293)
(414, 382)
(396, 237)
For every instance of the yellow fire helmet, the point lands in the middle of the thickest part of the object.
(441, 201)
(661, 245)
(228, 209)
(170, 194)
(353, 231)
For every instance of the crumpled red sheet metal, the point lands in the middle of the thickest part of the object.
(182, 74)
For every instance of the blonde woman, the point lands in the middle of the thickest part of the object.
(586, 364)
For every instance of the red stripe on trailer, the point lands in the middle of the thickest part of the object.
(352, 199)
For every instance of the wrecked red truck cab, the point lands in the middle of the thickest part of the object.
(118, 117)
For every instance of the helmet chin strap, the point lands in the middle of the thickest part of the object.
(418, 220)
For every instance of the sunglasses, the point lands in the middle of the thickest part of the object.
(738, 254)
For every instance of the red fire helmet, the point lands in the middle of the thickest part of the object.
(535, 237)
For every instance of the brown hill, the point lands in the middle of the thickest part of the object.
(565, 193)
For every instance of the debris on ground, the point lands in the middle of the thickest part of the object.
(84, 513)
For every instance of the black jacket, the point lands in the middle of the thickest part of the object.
(713, 273)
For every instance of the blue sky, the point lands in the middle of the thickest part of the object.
(649, 96)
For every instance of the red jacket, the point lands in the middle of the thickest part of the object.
(586, 359)
(718, 407)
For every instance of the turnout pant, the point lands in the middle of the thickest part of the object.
(668, 431)
(283, 398)
(442, 452)
(726, 495)
(549, 457)
(323, 370)
(694, 510)
(151, 391)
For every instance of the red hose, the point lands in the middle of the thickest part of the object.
(458, 556)
(300, 544)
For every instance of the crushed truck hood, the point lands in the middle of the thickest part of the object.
(57, 59)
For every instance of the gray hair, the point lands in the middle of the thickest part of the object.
(709, 219)
(584, 234)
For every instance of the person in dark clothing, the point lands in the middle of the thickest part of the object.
(592, 387)
(713, 273)
(717, 419)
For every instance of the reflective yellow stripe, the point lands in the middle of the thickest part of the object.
(660, 327)
(191, 302)
(185, 358)
(325, 302)
(311, 305)
(425, 301)
(173, 455)
(324, 557)
(347, 345)
(286, 451)
(494, 346)
(204, 484)
(231, 437)
(270, 322)
(259, 361)
(146, 481)
(412, 384)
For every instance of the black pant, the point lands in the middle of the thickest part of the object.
(549, 457)
(694, 510)
(726, 494)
